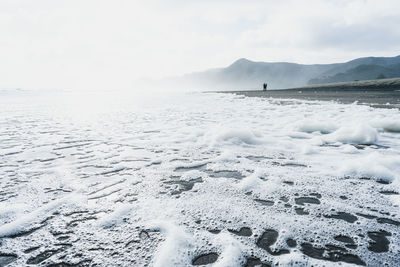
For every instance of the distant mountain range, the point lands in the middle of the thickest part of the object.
(245, 74)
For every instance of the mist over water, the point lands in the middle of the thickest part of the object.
(90, 102)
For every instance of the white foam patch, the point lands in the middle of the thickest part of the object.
(252, 181)
(374, 165)
(28, 220)
(228, 155)
(116, 217)
(11, 212)
(358, 134)
(171, 251)
(231, 254)
(309, 149)
(300, 135)
(323, 127)
(191, 175)
(349, 149)
(387, 124)
(297, 259)
(235, 136)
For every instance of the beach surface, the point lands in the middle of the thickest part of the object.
(196, 179)
(383, 93)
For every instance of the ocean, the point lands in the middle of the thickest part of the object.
(181, 179)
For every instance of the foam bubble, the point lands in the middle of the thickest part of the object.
(374, 165)
(116, 216)
(231, 253)
(237, 136)
(28, 220)
(358, 134)
(387, 124)
(310, 126)
(171, 251)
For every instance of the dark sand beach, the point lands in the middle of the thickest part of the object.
(376, 93)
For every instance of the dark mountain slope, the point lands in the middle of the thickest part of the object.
(245, 74)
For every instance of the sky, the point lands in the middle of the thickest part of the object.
(89, 44)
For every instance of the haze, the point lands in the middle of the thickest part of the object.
(92, 44)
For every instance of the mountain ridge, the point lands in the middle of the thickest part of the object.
(245, 74)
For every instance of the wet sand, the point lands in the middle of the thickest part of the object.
(375, 98)
(384, 93)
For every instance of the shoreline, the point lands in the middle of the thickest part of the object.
(383, 93)
(365, 85)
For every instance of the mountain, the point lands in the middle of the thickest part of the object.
(245, 74)
(360, 72)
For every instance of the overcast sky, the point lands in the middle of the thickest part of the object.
(78, 44)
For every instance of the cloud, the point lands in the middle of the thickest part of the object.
(109, 44)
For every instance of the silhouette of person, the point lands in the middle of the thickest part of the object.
(264, 87)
